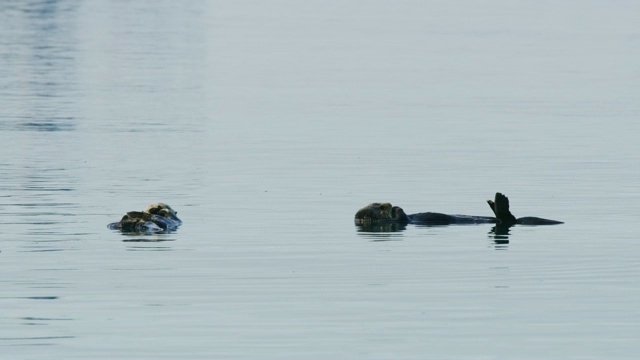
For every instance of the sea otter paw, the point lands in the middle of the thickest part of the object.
(492, 205)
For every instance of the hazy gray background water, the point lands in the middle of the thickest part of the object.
(267, 124)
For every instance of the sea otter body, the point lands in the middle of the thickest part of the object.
(156, 218)
(384, 213)
(378, 213)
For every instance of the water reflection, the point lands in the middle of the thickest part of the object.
(146, 240)
(381, 232)
(381, 228)
(149, 243)
(393, 232)
(37, 321)
(34, 212)
(149, 248)
(50, 123)
(38, 297)
(37, 61)
(500, 234)
(38, 338)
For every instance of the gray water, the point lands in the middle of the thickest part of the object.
(267, 125)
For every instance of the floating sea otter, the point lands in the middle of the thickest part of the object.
(155, 218)
(381, 213)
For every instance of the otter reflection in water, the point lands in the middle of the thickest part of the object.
(380, 214)
(156, 218)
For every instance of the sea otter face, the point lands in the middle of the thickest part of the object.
(163, 210)
(380, 213)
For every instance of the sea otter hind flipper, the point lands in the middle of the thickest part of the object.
(501, 209)
(492, 205)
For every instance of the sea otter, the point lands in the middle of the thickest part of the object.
(380, 213)
(158, 217)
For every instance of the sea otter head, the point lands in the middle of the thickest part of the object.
(381, 213)
(163, 210)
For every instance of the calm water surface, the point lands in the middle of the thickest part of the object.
(267, 125)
